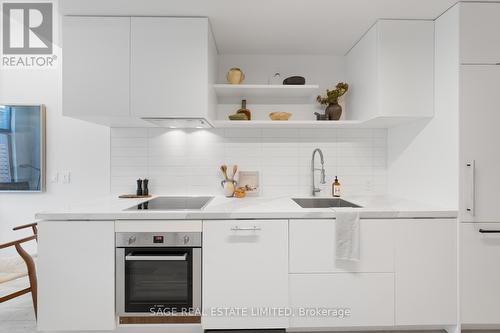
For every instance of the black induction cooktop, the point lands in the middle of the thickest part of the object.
(173, 203)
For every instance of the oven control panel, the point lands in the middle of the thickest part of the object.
(152, 239)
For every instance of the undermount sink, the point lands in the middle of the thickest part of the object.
(324, 203)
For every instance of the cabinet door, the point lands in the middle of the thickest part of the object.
(96, 66)
(244, 269)
(169, 66)
(480, 274)
(361, 299)
(76, 276)
(426, 272)
(312, 247)
(479, 134)
(479, 37)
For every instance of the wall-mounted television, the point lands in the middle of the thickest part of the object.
(22, 148)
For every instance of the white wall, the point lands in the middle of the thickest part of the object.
(72, 145)
(180, 162)
(423, 156)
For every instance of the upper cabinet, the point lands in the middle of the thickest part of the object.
(172, 62)
(118, 70)
(96, 66)
(479, 37)
(391, 71)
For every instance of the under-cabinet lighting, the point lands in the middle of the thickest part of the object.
(197, 123)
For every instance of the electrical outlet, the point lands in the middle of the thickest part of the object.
(66, 177)
(55, 178)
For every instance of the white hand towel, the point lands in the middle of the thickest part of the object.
(347, 235)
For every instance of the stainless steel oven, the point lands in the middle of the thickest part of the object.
(158, 275)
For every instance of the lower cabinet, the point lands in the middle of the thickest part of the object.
(76, 276)
(342, 300)
(406, 275)
(426, 272)
(245, 274)
(480, 274)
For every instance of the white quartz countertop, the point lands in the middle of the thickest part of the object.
(112, 208)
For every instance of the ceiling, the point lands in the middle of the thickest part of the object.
(274, 26)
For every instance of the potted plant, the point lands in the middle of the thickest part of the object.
(333, 110)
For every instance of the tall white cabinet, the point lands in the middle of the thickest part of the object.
(475, 26)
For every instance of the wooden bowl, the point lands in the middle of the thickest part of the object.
(280, 115)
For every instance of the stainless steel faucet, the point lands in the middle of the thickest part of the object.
(313, 169)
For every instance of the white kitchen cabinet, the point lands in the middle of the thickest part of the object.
(172, 67)
(369, 298)
(480, 274)
(479, 37)
(312, 247)
(426, 272)
(479, 119)
(391, 71)
(96, 63)
(245, 266)
(76, 276)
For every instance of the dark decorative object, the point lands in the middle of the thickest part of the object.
(294, 80)
(320, 116)
(145, 189)
(139, 187)
(333, 110)
(244, 109)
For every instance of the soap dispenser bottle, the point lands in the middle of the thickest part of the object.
(336, 188)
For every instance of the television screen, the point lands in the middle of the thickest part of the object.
(22, 148)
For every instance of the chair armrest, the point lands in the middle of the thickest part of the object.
(24, 226)
(17, 242)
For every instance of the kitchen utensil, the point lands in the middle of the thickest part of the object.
(280, 115)
(235, 168)
(139, 187)
(235, 76)
(223, 168)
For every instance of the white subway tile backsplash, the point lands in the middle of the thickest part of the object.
(187, 161)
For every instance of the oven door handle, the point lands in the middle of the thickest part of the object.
(157, 258)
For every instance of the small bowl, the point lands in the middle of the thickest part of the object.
(280, 115)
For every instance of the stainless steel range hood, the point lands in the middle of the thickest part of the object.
(180, 122)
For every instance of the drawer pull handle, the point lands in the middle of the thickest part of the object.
(472, 191)
(254, 228)
(484, 231)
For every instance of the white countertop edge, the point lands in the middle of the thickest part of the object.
(112, 208)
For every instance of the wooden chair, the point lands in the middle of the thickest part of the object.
(30, 265)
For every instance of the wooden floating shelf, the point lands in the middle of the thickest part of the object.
(264, 93)
(380, 122)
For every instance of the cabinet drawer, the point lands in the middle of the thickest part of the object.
(368, 296)
(479, 37)
(312, 247)
(480, 274)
